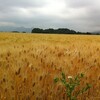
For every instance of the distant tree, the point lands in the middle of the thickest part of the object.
(24, 32)
(50, 30)
(37, 30)
(60, 31)
(88, 33)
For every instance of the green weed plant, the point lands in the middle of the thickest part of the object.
(71, 84)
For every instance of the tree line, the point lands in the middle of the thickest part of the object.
(58, 31)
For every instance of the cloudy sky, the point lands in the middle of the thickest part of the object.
(80, 15)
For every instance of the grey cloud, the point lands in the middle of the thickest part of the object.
(21, 3)
(82, 15)
(80, 3)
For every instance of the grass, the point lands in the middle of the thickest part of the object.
(29, 63)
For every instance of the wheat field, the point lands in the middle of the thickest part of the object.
(30, 62)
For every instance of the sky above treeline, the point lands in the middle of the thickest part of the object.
(79, 15)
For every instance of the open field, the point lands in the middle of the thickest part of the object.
(30, 62)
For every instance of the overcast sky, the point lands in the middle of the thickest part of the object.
(80, 15)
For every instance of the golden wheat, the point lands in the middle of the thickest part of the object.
(29, 63)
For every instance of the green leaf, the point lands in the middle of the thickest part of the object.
(81, 75)
(63, 76)
(56, 80)
(89, 85)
